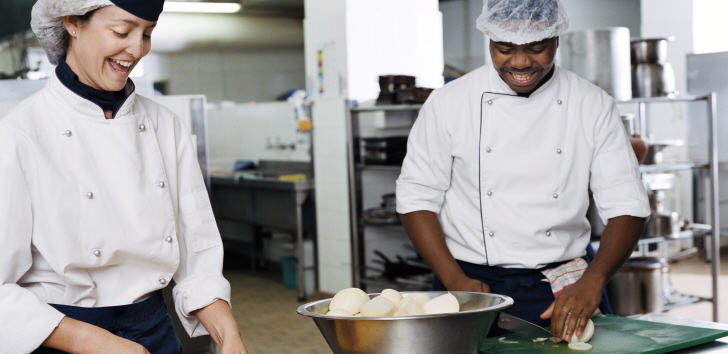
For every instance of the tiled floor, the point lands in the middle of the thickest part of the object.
(266, 310)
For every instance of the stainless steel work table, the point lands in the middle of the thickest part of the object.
(272, 203)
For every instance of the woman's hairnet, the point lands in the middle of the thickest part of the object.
(47, 22)
(522, 21)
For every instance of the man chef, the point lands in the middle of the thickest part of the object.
(495, 186)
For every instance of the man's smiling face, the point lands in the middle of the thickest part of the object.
(522, 66)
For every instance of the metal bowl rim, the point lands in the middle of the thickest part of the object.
(507, 302)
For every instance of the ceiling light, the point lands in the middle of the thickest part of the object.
(202, 7)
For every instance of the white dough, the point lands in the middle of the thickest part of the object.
(392, 295)
(413, 308)
(416, 297)
(377, 307)
(446, 303)
(349, 299)
(339, 313)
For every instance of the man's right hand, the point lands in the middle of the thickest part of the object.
(78, 337)
(468, 284)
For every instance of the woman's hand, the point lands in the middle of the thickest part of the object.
(219, 322)
(74, 336)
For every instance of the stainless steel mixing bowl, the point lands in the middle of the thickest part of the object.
(460, 332)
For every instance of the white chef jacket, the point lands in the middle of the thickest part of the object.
(99, 212)
(509, 176)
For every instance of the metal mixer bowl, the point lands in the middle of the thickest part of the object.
(460, 332)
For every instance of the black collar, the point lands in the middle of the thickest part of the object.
(107, 101)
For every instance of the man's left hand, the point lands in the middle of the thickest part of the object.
(573, 308)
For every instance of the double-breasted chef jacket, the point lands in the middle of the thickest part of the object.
(99, 212)
(509, 176)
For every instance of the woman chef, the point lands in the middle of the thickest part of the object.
(495, 185)
(102, 203)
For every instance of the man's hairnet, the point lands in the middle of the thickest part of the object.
(47, 23)
(522, 21)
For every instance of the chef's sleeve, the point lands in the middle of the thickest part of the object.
(615, 179)
(25, 320)
(427, 166)
(199, 276)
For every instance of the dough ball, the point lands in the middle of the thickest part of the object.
(339, 313)
(392, 295)
(377, 307)
(446, 303)
(413, 308)
(416, 297)
(349, 299)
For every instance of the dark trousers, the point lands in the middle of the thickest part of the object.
(145, 322)
(531, 294)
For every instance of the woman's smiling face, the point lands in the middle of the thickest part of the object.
(522, 66)
(104, 49)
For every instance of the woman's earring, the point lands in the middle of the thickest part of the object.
(74, 32)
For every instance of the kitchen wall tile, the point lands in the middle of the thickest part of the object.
(332, 197)
(334, 251)
(332, 169)
(334, 277)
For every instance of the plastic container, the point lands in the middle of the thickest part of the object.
(288, 265)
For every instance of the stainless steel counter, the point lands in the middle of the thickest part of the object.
(268, 202)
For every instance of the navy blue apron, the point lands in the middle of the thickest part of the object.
(531, 294)
(145, 322)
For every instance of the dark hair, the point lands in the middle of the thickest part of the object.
(86, 17)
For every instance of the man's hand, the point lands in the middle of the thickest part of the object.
(468, 284)
(572, 309)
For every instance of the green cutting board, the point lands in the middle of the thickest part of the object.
(614, 335)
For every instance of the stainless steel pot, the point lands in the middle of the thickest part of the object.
(652, 80)
(600, 56)
(664, 224)
(638, 286)
(629, 123)
(649, 51)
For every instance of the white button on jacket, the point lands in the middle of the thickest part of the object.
(541, 154)
(50, 219)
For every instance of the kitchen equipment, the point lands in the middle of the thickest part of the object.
(652, 75)
(614, 335)
(664, 224)
(517, 325)
(600, 56)
(400, 269)
(654, 150)
(384, 151)
(652, 80)
(629, 123)
(386, 214)
(460, 332)
(638, 286)
(649, 50)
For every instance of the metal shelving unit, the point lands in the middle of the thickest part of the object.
(355, 195)
(706, 203)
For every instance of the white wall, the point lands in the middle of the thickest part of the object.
(242, 75)
(250, 132)
(710, 26)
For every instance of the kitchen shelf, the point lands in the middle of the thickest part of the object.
(360, 227)
(393, 107)
(706, 201)
(672, 167)
(379, 167)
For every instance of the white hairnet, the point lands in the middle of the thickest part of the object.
(522, 21)
(47, 22)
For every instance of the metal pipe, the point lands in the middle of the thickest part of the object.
(714, 198)
(352, 119)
